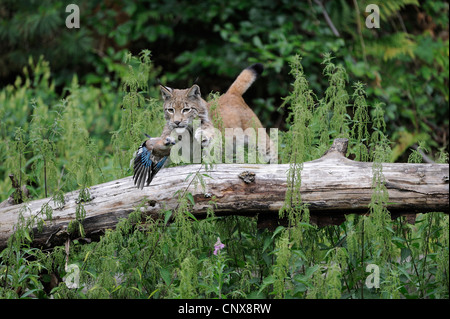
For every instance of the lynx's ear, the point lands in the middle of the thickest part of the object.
(194, 92)
(166, 92)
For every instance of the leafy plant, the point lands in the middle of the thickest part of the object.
(178, 255)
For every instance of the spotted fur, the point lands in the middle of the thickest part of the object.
(182, 106)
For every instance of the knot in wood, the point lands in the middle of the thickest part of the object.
(247, 176)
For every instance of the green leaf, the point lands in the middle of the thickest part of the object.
(269, 280)
(267, 242)
(306, 225)
(165, 275)
(405, 253)
(190, 215)
(167, 216)
(300, 253)
(29, 292)
(152, 293)
(303, 280)
(87, 255)
(116, 288)
(277, 230)
(404, 272)
(191, 198)
(27, 236)
(257, 42)
(311, 270)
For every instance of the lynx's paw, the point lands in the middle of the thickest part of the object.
(204, 137)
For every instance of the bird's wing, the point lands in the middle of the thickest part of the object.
(159, 165)
(143, 166)
(155, 169)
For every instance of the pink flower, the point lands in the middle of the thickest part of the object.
(218, 246)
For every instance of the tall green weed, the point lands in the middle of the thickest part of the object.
(61, 145)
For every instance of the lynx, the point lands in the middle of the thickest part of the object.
(182, 106)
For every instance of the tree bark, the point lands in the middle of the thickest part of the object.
(332, 186)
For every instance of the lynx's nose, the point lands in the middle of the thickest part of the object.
(177, 123)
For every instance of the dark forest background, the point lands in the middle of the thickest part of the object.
(404, 63)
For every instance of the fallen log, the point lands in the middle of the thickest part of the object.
(332, 186)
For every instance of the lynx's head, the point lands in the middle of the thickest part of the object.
(181, 107)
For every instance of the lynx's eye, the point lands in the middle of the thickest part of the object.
(170, 110)
(186, 110)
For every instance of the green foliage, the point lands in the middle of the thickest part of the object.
(60, 149)
(404, 62)
(141, 114)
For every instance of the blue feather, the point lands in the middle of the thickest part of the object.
(146, 157)
(146, 166)
(161, 163)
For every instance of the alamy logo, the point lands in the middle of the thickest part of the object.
(373, 280)
(73, 19)
(72, 279)
(373, 19)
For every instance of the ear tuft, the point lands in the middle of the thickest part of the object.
(166, 92)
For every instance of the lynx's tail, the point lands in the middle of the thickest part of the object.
(245, 79)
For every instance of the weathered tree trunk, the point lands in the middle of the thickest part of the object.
(332, 186)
